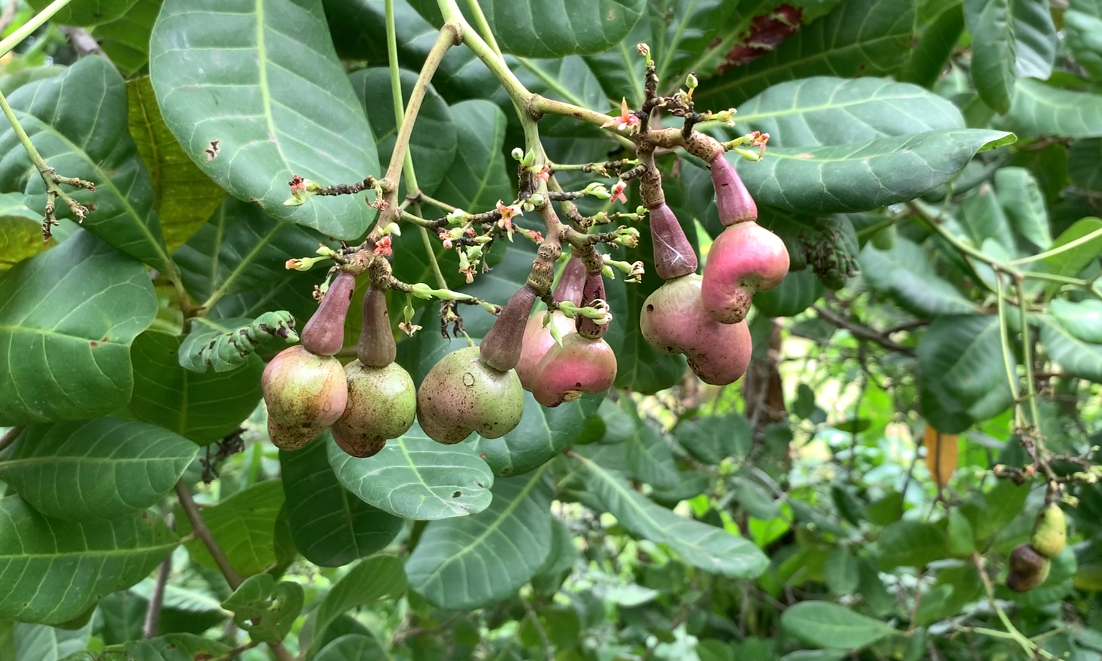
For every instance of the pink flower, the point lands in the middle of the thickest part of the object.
(446, 239)
(382, 246)
(627, 119)
(618, 191)
(544, 174)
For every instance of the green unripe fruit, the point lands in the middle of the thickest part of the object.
(461, 394)
(1050, 533)
(1028, 569)
(884, 238)
(382, 403)
(305, 393)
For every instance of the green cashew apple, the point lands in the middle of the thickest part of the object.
(382, 403)
(305, 394)
(462, 394)
(1050, 534)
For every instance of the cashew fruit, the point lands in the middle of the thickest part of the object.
(376, 346)
(323, 334)
(537, 341)
(462, 394)
(501, 347)
(744, 259)
(733, 201)
(673, 254)
(305, 393)
(1028, 568)
(1050, 533)
(578, 366)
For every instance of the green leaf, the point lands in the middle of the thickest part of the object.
(94, 469)
(227, 344)
(52, 571)
(1077, 357)
(1084, 162)
(712, 549)
(649, 457)
(714, 438)
(568, 79)
(1041, 109)
(126, 39)
(832, 626)
(911, 544)
(414, 477)
(243, 525)
(554, 28)
(1083, 320)
(475, 561)
(86, 12)
(1024, 205)
(961, 540)
(433, 143)
(936, 43)
(330, 526)
(796, 293)
(961, 372)
(683, 29)
(183, 196)
(172, 647)
(372, 579)
(755, 499)
(68, 316)
(1071, 262)
(96, 147)
(822, 111)
(1083, 36)
(201, 407)
(863, 176)
(1010, 39)
(984, 219)
(841, 571)
(37, 642)
(267, 86)
(352, 647)
(20, 231)
(264, 608)
(906, 274)
(858, 38)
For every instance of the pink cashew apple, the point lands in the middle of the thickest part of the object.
(744, 259)
(578, 366)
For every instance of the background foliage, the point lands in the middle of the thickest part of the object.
(933, 167)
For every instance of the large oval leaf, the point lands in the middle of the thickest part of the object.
(475, 561)
(414, 477)
(243, 525)
(330, 526)
(52, 571)
(554, 28)
(374, 578)
(1083, 319)
(1041, 109)
(86, 12)
(905, 273)
(255, 93)
(832, 626)
(95, 146)
(961, 372)
(67, 317)
(20, 231)
(126, 39)
(1010, 38)
(1083, 359)
(95, 469)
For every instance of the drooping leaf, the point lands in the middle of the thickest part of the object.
(841, 571)
(935, 44)
(330, 526)
(906, 274)
(1081, 34)
(414, 477)
(201, 407)
(865, 175)
(1083, 359)
(68, 316)
(226, 344)
(20, 231)
(1041, 109)
(859, 37)
(243, 525)
(1024, 205)
(171, 647)
(712, 439)
(1011, 38)
(94, 469)
(984, 220)
(372, 579)
(475, 561)
(93, 146)
(126, 39)
(255, 94)
(961, 372)
(547, 28)
(86, 12)
(712, 549)
(183, 196)
(264, 608)
(911, 544)
(1082, 319)
(42, 643)
(649, 457)
(832, 626)
(52, 571)
(433, 142)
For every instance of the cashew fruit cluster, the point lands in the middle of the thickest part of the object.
(703, 317)
(1030, 563)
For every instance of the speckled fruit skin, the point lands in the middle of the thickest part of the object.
(745, 259)
(733, 201)
(382, 403)
(1028, 568)
(305, 393)
(673, 320)
(537, 340)
(461, 394)
(578, 366)
(323, 334)
(673, 254)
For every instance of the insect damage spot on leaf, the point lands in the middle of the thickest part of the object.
(766, 32)
(212, 150)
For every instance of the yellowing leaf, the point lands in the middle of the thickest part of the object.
(941, 454)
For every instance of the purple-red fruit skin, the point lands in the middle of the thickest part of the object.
(382, 404)
(324, 332)
(673, 320)
(537, 341)
(572, 282)
(305, 393)
(733, 201)
(593, 291)
(501, 347)
(580, 365)
(744, 259)
(462, 394)
(376, 347)
(673, 254)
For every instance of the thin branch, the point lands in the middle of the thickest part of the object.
(9, 436)
(199, 527)
(1031, 649)
(863, 332)
(540, 631)
(83, 42)
(156, 601)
